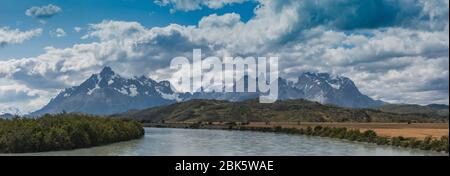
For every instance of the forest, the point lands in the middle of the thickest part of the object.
(64, 132)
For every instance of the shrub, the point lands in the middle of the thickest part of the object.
(370, 136)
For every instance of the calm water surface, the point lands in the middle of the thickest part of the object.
(185, 142)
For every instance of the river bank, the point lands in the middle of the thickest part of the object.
(360, 132)
(200, 142)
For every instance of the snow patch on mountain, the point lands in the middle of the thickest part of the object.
(90, 91)
(173, 96)
(133, 91)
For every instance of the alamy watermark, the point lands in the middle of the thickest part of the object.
(227, 75)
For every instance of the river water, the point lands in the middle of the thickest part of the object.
(187, 142)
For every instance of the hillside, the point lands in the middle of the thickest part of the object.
(434, 110)
(252, 110)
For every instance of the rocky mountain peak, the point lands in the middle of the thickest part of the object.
(107, 93)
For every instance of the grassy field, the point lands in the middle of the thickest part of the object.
(416, 130)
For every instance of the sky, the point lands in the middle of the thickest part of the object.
(394, 50)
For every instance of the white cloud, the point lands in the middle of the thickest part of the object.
(115, 30)
(43, 11)
(190, 5)
(16, 95)
(59, 32)
(9, 36)
(77, 29)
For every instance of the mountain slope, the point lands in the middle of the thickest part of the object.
(320, 87)
(282, 111)
(432, 110)
(326, 89)
(108, 93)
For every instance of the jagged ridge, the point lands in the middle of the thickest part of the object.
(108, 93)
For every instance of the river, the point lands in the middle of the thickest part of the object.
(187, 142)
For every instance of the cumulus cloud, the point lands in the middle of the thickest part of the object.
(390, 59)
(43, 11)
(15, 95)
(190, 5)
(16, 92)
(77, 29)
(15, 36)
(59, 32)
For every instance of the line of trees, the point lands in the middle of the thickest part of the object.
(369, 136)
(64, 132)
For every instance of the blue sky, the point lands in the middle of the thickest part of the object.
(80, 13)
(394, 50)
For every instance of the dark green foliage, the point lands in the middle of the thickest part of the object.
(369, 136)
(382, 140)
(64, 132)
(309, 131)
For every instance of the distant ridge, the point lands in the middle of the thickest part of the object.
(432, 109)
(280, 111)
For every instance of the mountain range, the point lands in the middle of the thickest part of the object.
(108, 93)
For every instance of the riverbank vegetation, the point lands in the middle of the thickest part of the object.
(64, 132)
(369, 136)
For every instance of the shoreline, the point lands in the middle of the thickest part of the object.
(415, 130)
(430, 143)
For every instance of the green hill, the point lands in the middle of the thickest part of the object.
(431, 110)
(281, 111)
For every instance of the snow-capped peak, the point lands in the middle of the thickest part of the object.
(107, 72)
(309, 79)
(108, 92)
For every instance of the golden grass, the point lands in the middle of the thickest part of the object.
(417, 130)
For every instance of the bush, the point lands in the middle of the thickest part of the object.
(370, 136)
(382, 140)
